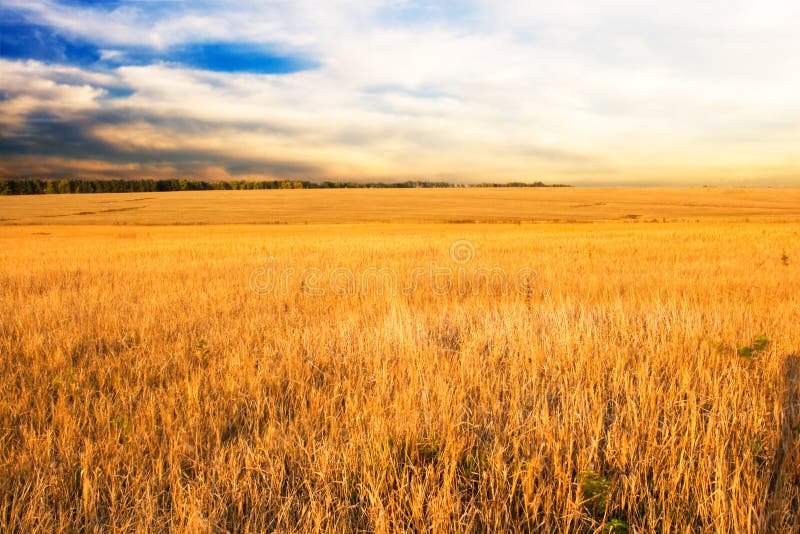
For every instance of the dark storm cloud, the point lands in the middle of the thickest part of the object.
(46, 135)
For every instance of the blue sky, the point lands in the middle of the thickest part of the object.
(23, 40)
(603, 92)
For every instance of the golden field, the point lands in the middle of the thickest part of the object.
(640, 376)
(453, 205)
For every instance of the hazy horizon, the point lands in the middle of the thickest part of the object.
(607, 93)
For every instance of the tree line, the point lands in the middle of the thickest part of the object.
(24, 186)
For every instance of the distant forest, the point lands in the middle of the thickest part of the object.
(40, 187)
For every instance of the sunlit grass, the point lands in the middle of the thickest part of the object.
(147, 387)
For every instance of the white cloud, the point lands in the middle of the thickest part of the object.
(32, 87)
(576, 91)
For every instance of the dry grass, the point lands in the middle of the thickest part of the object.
(404, 205)
(146, 387)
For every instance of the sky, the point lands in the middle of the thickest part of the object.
(601, 92)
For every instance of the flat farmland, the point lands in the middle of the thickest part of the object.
(404, 205)
(396, 372)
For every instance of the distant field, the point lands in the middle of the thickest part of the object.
(404, 205)
(627, 377)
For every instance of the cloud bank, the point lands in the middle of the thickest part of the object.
(602, 92)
